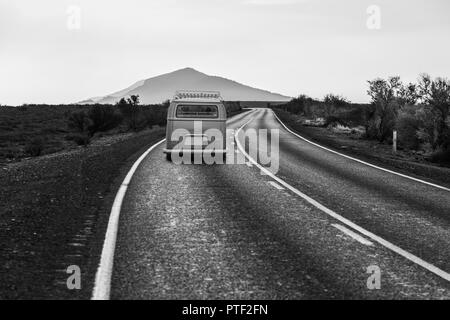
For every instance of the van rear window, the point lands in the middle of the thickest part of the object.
(197, 111)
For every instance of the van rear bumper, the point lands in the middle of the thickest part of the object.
(192, 151)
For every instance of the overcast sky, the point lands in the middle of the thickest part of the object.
(286, 46)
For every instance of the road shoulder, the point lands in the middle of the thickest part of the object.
(429, 172)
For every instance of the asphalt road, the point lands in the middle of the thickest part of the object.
(230, 232)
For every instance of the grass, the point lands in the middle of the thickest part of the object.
(21, 125)
(37, 130)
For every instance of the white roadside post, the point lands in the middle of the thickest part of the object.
(394, 141)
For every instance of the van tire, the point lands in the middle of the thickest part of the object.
(169, 156)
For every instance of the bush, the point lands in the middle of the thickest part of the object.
(34, 147)
(436, 94)
(299, 105)
(380, 126)
(103, 118)
(386, 101)
(408, 126)
(155, 115)
(81, 139)
(352, 115)
(162, 116)
(441, 156)
(78, 121)
(371, 127)
(334, 120)
(131, 112)
(427, 133)
(335, 101)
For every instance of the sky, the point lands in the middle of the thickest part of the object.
(59, 51)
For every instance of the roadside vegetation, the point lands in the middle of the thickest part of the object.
(36, 130)
(419, 112)
(127, 115)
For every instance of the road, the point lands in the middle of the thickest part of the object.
(230, 232)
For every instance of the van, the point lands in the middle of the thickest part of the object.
(196, 123)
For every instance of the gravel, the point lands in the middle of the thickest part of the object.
(53, 213)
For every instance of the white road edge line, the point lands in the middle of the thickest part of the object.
(276, 185)
(428, 266)
(352, 234)
(102, 285)
(358, 160)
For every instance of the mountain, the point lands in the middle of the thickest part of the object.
(161, 88)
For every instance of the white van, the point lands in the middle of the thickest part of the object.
(196, 123)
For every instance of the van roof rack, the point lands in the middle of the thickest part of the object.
(189, 94)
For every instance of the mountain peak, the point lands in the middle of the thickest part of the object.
(187, 70)
(161, 88)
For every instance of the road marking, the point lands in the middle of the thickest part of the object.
(352, 234)
(361, 161)
(276, 185)
(345, 221)
(102, 285)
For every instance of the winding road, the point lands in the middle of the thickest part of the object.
(316, 230)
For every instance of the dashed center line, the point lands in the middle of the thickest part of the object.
(276, 185)
(352, 234)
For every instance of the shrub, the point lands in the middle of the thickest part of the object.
(139, 123)
(352, 115)
(441, 156)
(81, 139)
(162, 116)
(408, 126)
(371, 128)
(386, 101)
(78, 121)
(436, 94)
(336, 101)
(155, 115)
(333, 121)
(300, 105)
(427, 133)
(131, 112)
(102, 118)
(34, 147)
